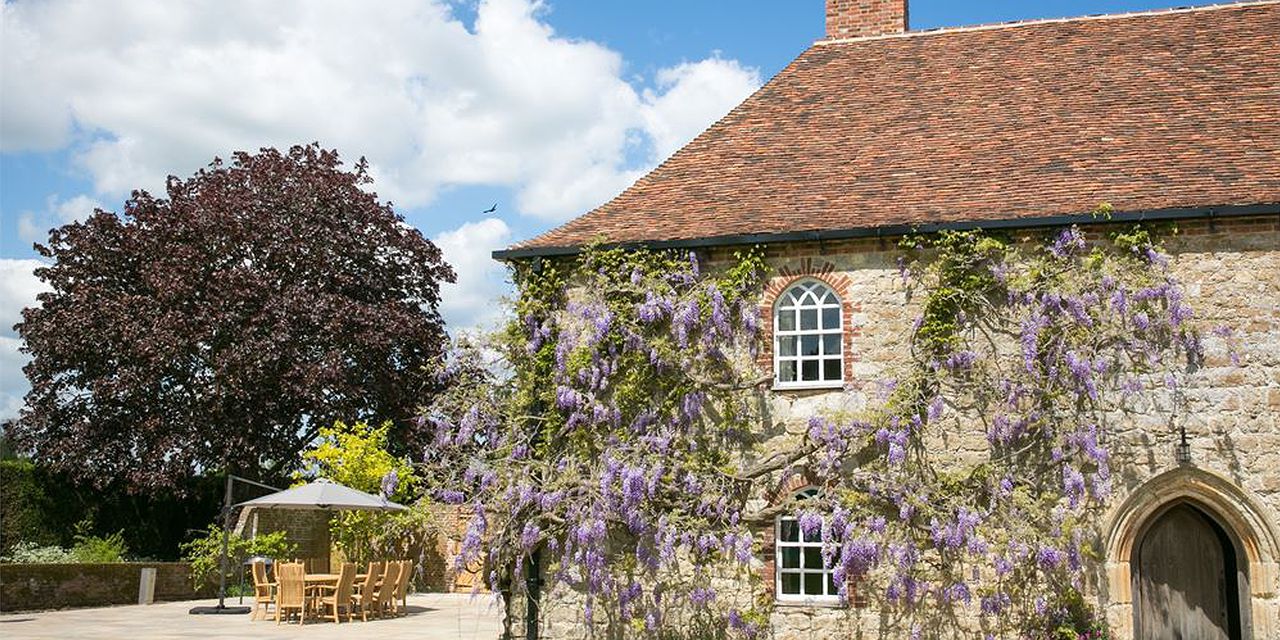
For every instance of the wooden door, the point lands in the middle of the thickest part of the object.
(1185, 583)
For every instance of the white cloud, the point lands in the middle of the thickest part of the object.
(18, 289)
(690, 98)
(139, 89)
(34, 227)
(472, 302)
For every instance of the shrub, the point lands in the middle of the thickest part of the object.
(31, 552)
(28, 515)
(1066, 616)
(205, 553)
(97, 549)
(88, 549)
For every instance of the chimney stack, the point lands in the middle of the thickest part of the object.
(862, 18)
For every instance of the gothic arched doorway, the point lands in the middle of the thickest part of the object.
(1189, 578)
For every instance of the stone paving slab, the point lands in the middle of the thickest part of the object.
(432, 616)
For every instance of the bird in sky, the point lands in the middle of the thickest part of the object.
(491, 209)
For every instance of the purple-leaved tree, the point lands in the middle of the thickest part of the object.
(220, 327)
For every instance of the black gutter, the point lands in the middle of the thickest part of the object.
(1149, 215)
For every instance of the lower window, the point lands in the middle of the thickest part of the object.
(801, 574)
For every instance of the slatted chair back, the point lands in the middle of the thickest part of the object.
(260, 574)
(406, 574)
(292, 589)
(371, 580)
(346, 583)
(387, 590)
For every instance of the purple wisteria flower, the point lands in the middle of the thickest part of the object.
(702, 596)
(390, 482)
(1050, 558)
(1072, 485)
(450, 496)
(1068, 243)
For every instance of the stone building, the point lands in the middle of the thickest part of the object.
(877, 130)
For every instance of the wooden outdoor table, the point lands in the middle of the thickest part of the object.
(326, 578)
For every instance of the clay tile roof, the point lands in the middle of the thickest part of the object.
(1171, 109)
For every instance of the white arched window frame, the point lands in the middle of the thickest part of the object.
(799, 572)
(808, 337)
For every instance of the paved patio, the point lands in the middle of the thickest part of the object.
(432, 616)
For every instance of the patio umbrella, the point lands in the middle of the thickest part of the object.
(324, 494)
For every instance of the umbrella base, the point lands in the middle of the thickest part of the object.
(219, 610)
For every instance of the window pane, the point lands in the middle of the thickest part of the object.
(832, 589)
(790, 558)
(831, 318)
(808, 345)
(829, 299)
(831, 369)
(787, 371)
(808, 319)
(786, 320)
(789, 531)
(809, 370)
(813, 584)
(831, 344)
(812, 558)
(787, 346)
(791, 583)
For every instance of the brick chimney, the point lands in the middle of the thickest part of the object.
(861, 18)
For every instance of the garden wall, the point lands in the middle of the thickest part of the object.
(25, 587)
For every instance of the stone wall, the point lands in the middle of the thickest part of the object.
(29, 587)
(454, 521)
(1231, 271)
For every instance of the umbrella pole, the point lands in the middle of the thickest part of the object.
(222, 561)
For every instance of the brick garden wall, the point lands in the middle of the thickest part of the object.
(308, 529)
(27, 587)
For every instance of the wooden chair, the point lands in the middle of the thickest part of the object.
(291, 591)
(340, 594)
(364, 595)
(400, 602)
(264, 591)
(386, 597)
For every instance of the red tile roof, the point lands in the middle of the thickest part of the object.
(1169, 109)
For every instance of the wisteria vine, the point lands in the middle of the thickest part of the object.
(621, 435)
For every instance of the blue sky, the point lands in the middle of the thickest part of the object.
(545, 108)
(649, 35)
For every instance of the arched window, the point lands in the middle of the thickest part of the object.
(800, 574)
(807, 349)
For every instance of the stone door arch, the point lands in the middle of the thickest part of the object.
(1157, 515)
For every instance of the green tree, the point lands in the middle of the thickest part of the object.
(357, 455)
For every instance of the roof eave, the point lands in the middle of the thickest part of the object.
(1148, 215)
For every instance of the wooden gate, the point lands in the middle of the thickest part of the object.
(1186, 582)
